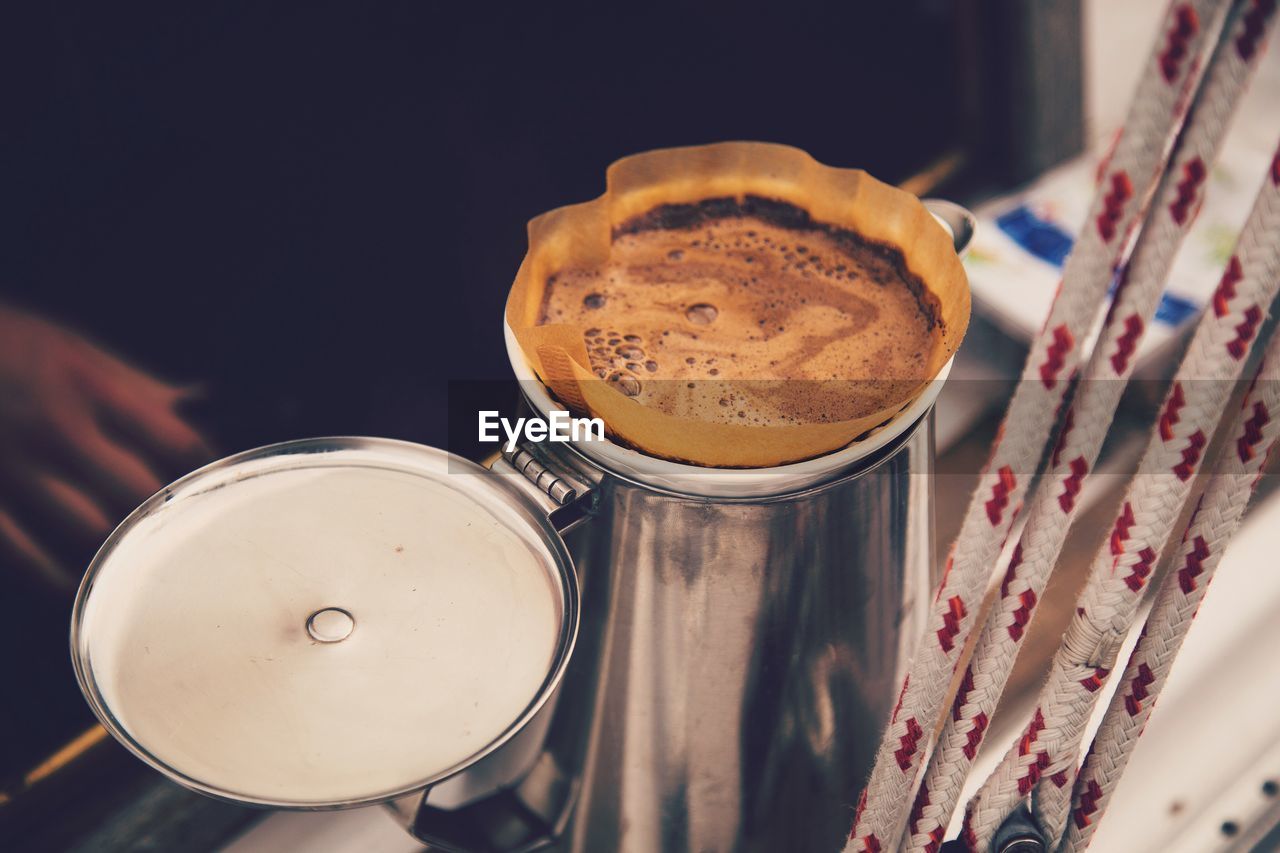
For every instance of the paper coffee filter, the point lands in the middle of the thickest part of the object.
(580, 235)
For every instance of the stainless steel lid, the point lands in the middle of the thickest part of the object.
(324, 623)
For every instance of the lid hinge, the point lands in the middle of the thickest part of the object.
(555, 486)
(566, 500)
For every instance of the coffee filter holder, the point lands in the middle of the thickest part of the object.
(581, 235)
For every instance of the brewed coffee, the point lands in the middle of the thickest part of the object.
(824, 324)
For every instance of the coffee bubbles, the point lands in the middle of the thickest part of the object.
(701, 314)
(625, 383)
(743, 319)
(618, 358)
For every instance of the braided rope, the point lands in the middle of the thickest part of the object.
(1154, 116)
(1084, 428)
(1252, 435)
(1192, 409)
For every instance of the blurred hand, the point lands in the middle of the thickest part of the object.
(84, 438)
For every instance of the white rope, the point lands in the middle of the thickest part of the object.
(1081, 436)
(1154, 117)
(1227, 330)
(1218, 514)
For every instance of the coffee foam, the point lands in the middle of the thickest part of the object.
(749, 313)
(883, 342)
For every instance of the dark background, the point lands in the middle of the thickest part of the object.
(318, 209)
(314, 210)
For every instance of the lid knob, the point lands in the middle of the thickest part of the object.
(330, 625)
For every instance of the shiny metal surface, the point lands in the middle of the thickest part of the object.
(736, 661)
(255, 630)
(742, 635)
(957, 219)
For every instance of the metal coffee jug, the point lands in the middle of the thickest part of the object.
(581, 648)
